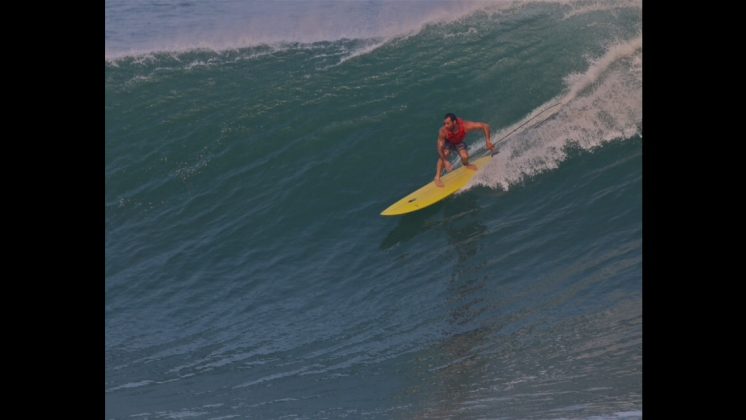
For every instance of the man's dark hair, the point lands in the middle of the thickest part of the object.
(451, 115)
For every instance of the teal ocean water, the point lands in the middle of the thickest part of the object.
(250, 147)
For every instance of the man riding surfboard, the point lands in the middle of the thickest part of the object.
(451, 138)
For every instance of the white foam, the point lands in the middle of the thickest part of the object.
(585, 7)
(237, 24)
(233, 25)
(602, 104)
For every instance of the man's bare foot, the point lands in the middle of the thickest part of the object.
(472, 166)
(438, 183)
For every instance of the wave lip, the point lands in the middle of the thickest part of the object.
(237, 24)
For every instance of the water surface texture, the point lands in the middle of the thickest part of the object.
(250, 147)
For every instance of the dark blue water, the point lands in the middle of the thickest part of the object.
(248, 272)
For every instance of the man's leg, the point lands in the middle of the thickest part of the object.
(465, 159)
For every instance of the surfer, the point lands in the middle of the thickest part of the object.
(451, 138)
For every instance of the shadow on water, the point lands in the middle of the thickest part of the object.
(448, 368)
(458, 350)
(410, 225)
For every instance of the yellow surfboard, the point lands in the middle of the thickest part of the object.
(431, 194)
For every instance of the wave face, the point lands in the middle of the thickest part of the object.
(250, 147)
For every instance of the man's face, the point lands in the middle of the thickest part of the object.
(448, 124)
